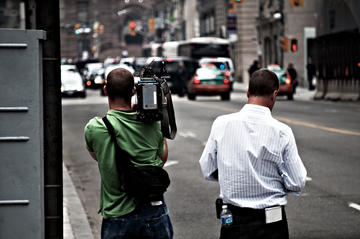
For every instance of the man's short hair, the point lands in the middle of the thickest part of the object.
(263, 82)
(120, 83)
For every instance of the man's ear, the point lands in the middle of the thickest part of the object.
(247, 93)
(105, 90)
(273, 95)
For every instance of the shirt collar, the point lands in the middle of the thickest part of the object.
(257, 109)
(119, 113)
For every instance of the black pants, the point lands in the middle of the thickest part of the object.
(250, 223)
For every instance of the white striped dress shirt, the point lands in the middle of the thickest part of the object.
(256, 158)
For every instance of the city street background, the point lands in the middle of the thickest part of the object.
(328, 139)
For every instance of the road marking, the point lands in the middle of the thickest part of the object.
(170, 163)
(308, 179)
(187, 134)
(315, 126)
(354, 205)
(285, 120)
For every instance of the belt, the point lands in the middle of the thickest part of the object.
(251, 213)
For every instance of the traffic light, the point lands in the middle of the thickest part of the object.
(132, 28)
(77, 28)
(296, 3)
(151, 23)
(101, 29)
(284, 43)
(238, 1)
(294, 45)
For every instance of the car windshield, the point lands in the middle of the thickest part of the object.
(70, 77)
(219, 65)
(94, 67)
(208, 72)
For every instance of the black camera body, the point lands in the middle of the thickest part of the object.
(150, 99)
(154, 102)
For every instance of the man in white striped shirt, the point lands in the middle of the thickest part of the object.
(255, 159)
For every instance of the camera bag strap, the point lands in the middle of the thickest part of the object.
(119, 153)
(168, 123)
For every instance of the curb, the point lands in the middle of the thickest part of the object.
(76, 224)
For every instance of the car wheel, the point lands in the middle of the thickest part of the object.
(82, 94)
(225, 96)
(290, 97)
(191, 96)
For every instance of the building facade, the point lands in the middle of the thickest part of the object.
(283, 32)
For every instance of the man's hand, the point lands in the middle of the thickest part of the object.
(164, 155)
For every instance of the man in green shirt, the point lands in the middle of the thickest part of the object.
(125, 216)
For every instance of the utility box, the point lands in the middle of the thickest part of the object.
(21, 134)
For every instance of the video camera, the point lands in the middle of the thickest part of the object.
(154, 100)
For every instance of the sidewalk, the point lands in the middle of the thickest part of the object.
(302, 94)
(76, 224)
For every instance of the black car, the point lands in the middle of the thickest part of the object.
(180, 70)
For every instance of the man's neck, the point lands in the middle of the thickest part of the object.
(262, 101)
(119, 104)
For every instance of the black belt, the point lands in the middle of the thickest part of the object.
(245, 214)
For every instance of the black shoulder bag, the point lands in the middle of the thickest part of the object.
(145, 182)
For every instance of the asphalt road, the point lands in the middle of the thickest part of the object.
(328, 138)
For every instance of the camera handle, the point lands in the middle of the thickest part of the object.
(168, 123)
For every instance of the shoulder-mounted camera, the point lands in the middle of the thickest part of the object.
(154, 100)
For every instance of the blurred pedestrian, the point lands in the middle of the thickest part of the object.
(256, 162)
(254, 67)
(182, 79)
(311, 73)
(125, 216)
(293, 75)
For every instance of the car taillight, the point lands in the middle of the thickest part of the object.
(88, 83)
(226, 81)
(196, 80)
(287, 81)
(227, 73)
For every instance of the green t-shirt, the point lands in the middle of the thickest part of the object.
(143, 141)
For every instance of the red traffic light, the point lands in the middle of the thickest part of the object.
(294, 45)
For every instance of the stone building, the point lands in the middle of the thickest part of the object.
(99, 29)
(279, 23)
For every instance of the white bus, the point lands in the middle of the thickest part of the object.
(204, 47)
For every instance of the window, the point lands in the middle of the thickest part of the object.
(82, 9)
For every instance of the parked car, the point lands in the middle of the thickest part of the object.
(285, 84)
(180, 70)
(209, 80)
(224, 63)
(71, 83)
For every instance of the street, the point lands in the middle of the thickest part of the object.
(328, 139)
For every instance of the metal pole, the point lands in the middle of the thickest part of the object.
(45, 15)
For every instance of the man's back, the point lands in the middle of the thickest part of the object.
(254, 152)
(143, 142)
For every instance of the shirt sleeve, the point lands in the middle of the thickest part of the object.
(88, 140)
(293, 171)
(208, 160)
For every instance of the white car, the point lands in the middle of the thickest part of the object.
(71, 83)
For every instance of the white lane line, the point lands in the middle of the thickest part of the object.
(308, 179)
(170, 163)
(354, 205)
(187, 134)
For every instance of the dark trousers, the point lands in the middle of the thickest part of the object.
(146, 222)
(250, 224)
